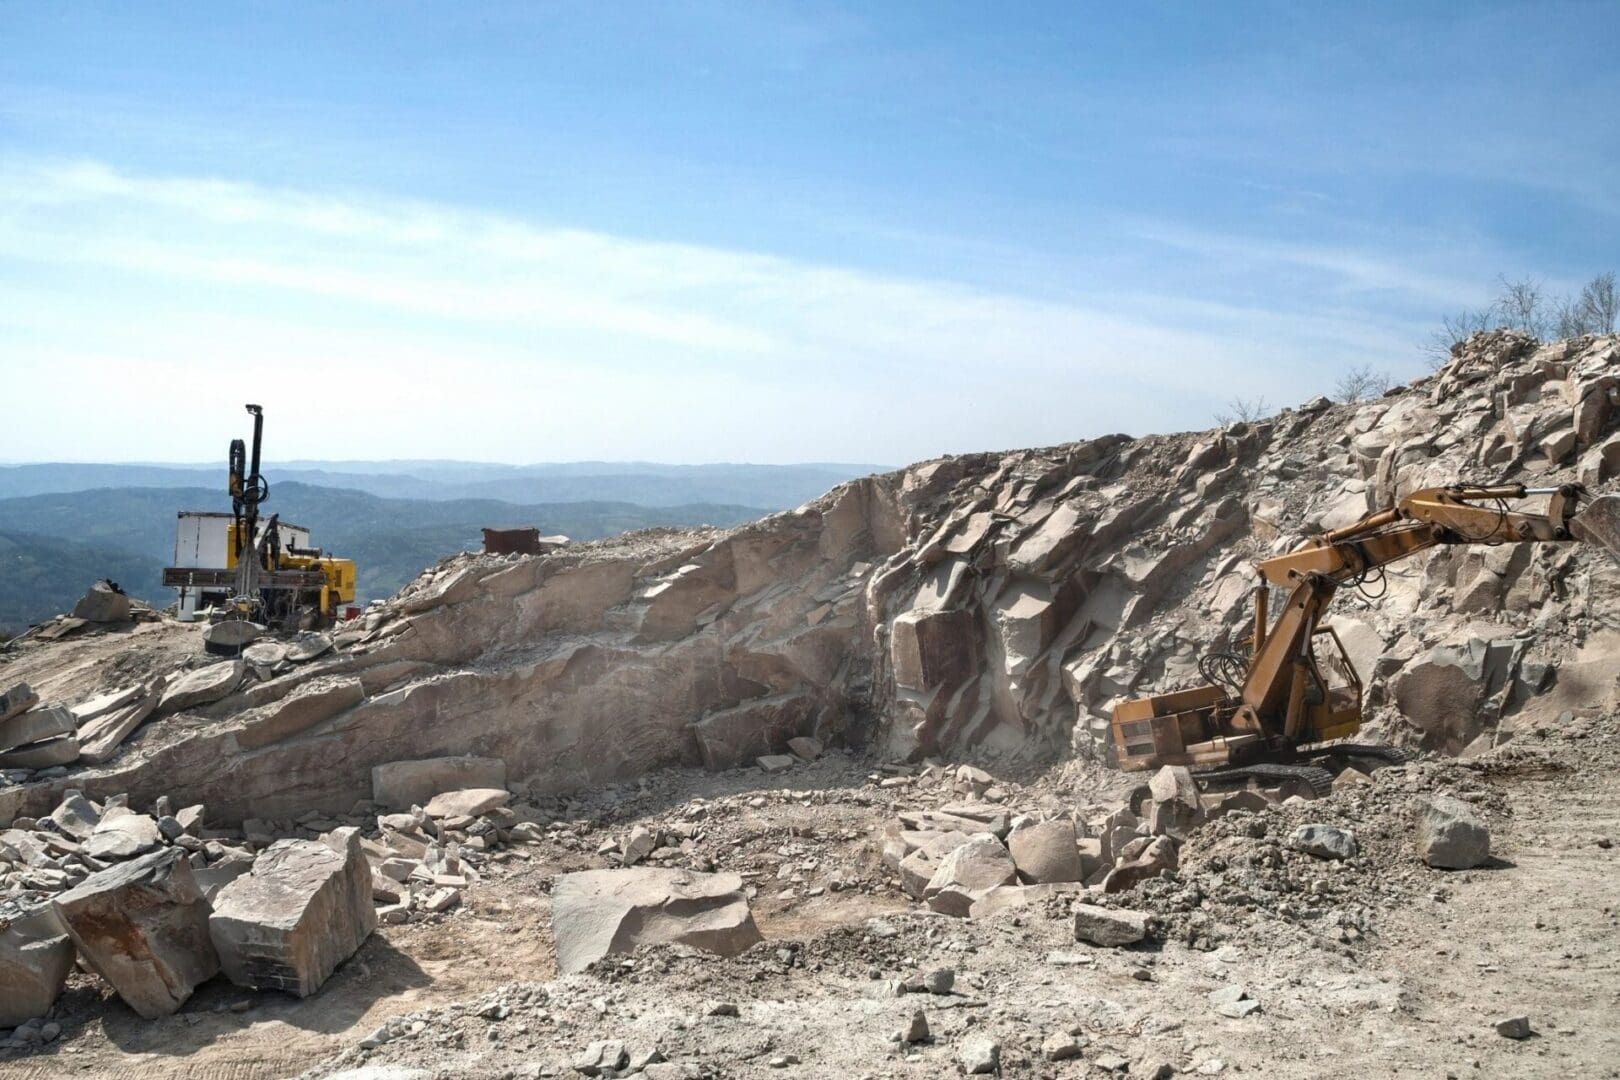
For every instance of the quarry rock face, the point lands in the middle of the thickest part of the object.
(143, 926)
(303, 909)
(597, 912)
(36, 955)
(993, 605)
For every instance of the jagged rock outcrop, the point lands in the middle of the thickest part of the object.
(991, 605)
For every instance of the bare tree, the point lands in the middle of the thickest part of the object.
(1243, 410)
(1455, 329)
(1599, 305)
(1520, 306)
(1361, 383)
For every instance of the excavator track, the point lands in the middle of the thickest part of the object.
(1317, 779)
(1379, 755)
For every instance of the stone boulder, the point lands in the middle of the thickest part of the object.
(1109, 927)
(143, 926)
(1324, 841)
(917, 866)
(1045, 851)
(1137, 864)
(63, 750)
(1450, 834)
(402, 784)
(303, 909)
(36, 955)
(967, 873)
(105, 602)
(203, 686)
(123, 836)
(598, 912)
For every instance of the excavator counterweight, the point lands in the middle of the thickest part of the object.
(1296, 688)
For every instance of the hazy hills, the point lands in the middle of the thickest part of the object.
(763, 487)
(57, 543)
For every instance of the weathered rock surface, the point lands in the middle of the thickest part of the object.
(123, 836)
(36, 955)
(1450, 834)
(303, 909)
(104, 602)
(469, 802)
(311, 704)
(598, 912)
(19, 697)
(203, 686)
(400, 784)
(143, 926)
(1046, 851)
(967, 873)
(36, 725)
(1324, 841)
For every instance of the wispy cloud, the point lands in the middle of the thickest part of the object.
(456, 329)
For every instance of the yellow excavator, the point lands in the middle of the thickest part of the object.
(271, 581)
(1265, 714)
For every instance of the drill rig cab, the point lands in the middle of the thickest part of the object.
(267, 579)
(1296, 691)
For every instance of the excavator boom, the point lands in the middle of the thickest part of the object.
(1286, 698)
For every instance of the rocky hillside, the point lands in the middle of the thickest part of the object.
(989, 606)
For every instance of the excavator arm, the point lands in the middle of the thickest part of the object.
(1285, 699)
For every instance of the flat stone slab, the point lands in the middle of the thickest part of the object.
(300, 711)
(403, 784)
(597, 912)
(42, 755)
(36, 725)
(469, 802)
(303, 909)
(306, 647)
(123, 837)
(143, 926)
(36, 955)
(101, 737)
(203, 686)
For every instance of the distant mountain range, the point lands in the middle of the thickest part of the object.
(128, 534)
(64, 525)
(764, 487)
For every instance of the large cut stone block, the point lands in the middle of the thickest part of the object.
(143, 926)
(36, 725)
(597, 912)
(933, 648)
(744, 733)
(104, 602)
(402, 784)
(303, 909)
(36, 955)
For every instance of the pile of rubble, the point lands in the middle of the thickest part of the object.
(158, 903)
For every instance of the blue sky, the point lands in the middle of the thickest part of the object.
(706, 232)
